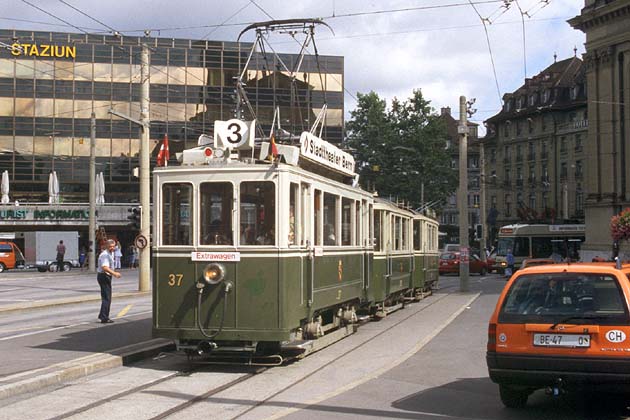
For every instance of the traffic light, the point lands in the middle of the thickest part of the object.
(478, 231)
(135, 215)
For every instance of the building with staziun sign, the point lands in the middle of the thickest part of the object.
(51, 82)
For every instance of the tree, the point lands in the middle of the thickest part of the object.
(399, 149)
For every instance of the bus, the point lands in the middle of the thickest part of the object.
(557, 242)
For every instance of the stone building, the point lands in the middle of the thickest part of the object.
(534, 150)
(449, 213)
(606, 24)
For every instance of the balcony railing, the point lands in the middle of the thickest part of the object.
(572, 126)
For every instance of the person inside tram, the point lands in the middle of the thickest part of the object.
(216, 234)
(266, 236)
(329, 235)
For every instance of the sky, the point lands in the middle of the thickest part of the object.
(389, 47)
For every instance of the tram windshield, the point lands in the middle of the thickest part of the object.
(258, 213)
(216, 213)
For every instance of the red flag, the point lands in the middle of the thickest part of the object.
(165, 154)
(273, 149)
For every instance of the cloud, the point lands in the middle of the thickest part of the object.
(442, 51)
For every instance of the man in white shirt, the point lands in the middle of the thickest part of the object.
(105, 271)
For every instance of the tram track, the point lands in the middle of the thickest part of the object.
(345, 354)
(241, 377)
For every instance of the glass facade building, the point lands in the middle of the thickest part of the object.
(50, 83)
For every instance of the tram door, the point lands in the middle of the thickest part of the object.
(367, 235)
(305, 232)
(389, 234)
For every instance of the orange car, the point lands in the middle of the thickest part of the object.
(561, 327)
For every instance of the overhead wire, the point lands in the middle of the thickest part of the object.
(524, 44)
(53, 16)
(494, 70)
(88, 16)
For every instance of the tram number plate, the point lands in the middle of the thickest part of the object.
(562, 340)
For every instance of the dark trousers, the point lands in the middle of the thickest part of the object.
(105, 282)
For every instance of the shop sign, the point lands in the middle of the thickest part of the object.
(30, 214)
(43, 50)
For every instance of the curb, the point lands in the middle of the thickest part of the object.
(65, 301)
(24, 382)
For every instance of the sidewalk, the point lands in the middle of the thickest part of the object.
(73, 287)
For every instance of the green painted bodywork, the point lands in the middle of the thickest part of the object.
(269, 298)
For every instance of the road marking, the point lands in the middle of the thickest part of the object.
(60, 328)
(124, 311)
(16, 300)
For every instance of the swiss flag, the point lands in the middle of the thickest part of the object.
(165, 154)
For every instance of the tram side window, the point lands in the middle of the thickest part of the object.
(346, 221)
(216, 213)
(397, 233)
(293, 195)
(405, 233)
(258, 213)
(377, 231)
(330, 219)
(176, 214)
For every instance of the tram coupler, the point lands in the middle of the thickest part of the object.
(206, 347)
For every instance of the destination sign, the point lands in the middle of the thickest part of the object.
(318, 150)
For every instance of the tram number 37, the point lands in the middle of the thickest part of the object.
(175, 279)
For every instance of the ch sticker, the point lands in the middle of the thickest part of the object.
(340, 270)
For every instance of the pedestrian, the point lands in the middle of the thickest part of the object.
(105, 271)
(133, 256)
(117, 255)
(82, 257)
(509, 259)
(61, 252)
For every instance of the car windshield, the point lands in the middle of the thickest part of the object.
(578, 297)
(447, 256)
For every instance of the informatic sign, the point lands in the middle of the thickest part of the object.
(318, 150)
(234, 134)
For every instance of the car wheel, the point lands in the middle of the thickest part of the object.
(2, 267)
(52, 267)
(513, 398)
(66, 266)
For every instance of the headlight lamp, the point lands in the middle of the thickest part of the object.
(213, 273)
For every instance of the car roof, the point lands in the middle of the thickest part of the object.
(586, 267)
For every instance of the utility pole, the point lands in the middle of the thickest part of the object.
(92, 224)
(482, 199)
(145, 199)
(462, 200)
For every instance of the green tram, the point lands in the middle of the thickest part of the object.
(261, 260)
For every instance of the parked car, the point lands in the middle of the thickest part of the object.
(451, 248)
(449, 263)
(10, 256)
(561, 327)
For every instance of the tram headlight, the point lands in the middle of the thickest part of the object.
(213, 273)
